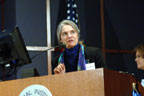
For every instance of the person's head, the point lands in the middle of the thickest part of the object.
(68, 33)
(139, 56)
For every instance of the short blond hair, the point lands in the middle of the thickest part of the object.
(66, 22)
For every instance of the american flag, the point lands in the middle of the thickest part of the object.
(72, 11)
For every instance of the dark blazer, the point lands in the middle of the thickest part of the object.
(92, 54)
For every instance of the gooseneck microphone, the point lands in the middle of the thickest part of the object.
(61, 45)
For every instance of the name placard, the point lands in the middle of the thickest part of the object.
(90, 66)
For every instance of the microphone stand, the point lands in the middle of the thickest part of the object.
(60, 45)
(43, 51)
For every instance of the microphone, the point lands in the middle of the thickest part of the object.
(124, 72)
(61, 45)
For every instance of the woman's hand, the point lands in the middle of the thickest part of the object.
(59, 69)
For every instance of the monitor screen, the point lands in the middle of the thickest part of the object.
(12, 48)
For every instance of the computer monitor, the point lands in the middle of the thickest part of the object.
(12, 48)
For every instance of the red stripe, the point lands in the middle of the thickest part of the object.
(2, 28)
(118, 51)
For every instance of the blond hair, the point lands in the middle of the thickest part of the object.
(66, 22)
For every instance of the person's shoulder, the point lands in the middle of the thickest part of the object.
(92, 49)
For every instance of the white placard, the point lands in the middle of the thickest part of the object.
(90, 66)
(142, 82)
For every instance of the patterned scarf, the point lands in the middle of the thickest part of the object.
(81, 59)
(135, 91)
